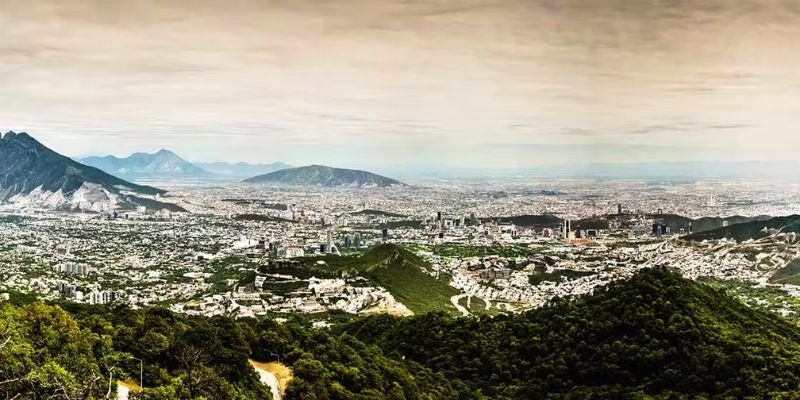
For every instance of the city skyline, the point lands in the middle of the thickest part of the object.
(507, 84)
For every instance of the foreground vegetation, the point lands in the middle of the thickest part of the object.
(77, 352)
(655, 336)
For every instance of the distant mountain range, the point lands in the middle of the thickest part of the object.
(320, 175)
(241, 170)
(31, 173)
(163, 164)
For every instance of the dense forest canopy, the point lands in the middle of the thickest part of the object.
(654, 336)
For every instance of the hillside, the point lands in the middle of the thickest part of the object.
(378, 213)
(750, 230)
(163, 164)
(790, 274)
(677, 222)
(32, 174)
(401, 272)
(398, 270)
(552, 221)
(654, 336)
(533, 221)
(319, 175)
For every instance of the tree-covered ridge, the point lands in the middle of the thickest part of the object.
(655, 336)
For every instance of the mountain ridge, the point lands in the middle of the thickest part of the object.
(31, 173)
(141, 165)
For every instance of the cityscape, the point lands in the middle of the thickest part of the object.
(508, 247)
(399, 200)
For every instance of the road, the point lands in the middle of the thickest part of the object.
(460, 309)
(269, 379)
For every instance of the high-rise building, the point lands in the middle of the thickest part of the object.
(105, 297)
(329, 241)
(566, 228)
(658, 229)
(385, 235)
(619, 209)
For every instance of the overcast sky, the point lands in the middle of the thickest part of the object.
(375, 83)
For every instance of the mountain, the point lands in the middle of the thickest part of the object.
(655, 336)
(320, 175)
(751, 230)
(31, 173)
(163, 164)
(241, 170)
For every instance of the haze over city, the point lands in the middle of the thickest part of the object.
(480, 84)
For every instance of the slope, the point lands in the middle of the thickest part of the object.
(654, 336)
(398, 270)
(401, 272)
(750, 230)
(677, 222)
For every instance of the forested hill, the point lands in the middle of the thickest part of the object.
(655, 336)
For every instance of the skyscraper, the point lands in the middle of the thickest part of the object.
(329, 241)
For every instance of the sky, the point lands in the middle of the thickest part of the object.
(364, 83)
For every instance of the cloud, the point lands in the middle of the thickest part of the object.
(309, 81)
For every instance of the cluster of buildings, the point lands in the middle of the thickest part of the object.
(197, 262)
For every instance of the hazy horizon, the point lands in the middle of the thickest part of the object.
(478, 84)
